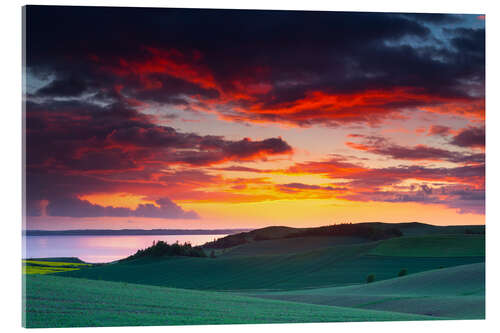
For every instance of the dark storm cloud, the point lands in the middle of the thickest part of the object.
(89, 137)
(249, 65)
(77, 148)
(68, 29)
(68, 87)
(436, 18)
(470, 137)
(209, 148)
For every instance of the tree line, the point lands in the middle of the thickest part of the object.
(161, 248)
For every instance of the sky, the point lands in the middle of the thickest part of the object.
(185, 118)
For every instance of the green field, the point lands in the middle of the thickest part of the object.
(307, 279)
(455, 292)
(433, 246)
(287, 246)
(330, 266)
(54, 301)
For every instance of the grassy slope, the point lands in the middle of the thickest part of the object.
(54, 301)
(419, 229)
(456, 292)
(287, 246)
(432, 246)
(332, 266)
(408, 229)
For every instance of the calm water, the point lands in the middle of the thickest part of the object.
(97, 249)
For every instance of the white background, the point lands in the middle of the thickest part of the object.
(11, 152)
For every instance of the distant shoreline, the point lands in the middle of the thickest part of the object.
(131, 232)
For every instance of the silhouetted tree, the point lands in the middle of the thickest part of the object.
(161, 248)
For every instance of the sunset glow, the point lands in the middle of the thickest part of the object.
(167, 119)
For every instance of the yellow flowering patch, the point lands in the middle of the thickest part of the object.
(49, 267)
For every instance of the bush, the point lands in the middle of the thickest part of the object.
(370, 278)
(403, 272)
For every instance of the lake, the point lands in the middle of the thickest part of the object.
(99, 249)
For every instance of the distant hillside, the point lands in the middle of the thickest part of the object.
(310, 268)
(433, 245)
(366, 231)
(417, 228)
(455, 292)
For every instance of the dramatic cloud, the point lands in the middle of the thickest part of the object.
(79, 148)
(75, 207)
(466, 200)
(107, 138)
(382, 146)
(168, 106)
(67, 87)
(470, 137)
(355, 68)
(460, 187)
(440, 130)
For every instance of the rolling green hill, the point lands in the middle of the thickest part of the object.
(419, 229)
(329, 266)
(272, 277)
(366, 230)
(54, 301)
(452, 281)
(432, 246)
(455, 292)
(287, 246)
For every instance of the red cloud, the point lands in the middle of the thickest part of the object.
(251, 94)
(371, 106)
(440, 130)
(460, 187)
(360, 177)
(171, 62)
(382, 146)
